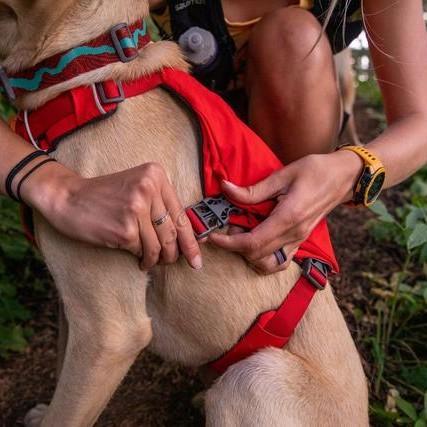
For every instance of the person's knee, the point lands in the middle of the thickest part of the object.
(291, 34)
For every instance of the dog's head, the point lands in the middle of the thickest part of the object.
(34, 29)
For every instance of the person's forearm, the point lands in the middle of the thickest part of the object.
(402, 148)
(46, 188)
(13, 149)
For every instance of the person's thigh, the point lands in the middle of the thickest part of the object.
(294, 101)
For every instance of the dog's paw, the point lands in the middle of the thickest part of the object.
(35, 416)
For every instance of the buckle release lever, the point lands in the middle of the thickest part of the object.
(210, 214)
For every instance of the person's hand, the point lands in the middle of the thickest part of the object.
(306, 191)
(117, 211)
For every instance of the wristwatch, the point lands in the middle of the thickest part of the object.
(371, 181)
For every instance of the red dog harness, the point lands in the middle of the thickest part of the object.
(229, 150)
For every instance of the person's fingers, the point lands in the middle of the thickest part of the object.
(234, 229)
(150, 244)
(270, 264)
(268, 188)
(166, 231)
(253, 244)
(185, 234)
(274, 232)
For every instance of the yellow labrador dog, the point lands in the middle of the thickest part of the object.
(111, 310)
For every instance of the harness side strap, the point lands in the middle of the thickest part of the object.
(274, 328)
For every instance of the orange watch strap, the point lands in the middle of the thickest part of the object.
(369, 158)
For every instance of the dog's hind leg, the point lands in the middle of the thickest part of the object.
(275, 388)
(103, 292)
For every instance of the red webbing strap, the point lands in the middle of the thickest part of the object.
(84, 63)
(142, 85)
(61, 116)
(273, 328)
(293, 309)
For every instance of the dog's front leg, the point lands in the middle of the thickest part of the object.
(103, 292)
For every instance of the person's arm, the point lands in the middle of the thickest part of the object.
(114, 211)
(309, 188)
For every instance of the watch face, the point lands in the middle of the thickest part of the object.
(375, 188)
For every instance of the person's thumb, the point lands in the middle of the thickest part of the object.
(268, 188)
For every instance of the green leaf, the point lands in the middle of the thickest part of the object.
(407, 408)
(415, 216)
(12, 339)
(385, 231)
(420, 423)
(419, 187)
(423, 254)
(14, 248)
(380, 209)
(418, 236)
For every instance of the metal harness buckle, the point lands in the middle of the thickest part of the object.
(115, 37)
(214, 212)
(307, 265)
(103, 96)
(6, 86)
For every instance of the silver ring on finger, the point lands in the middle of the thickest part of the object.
(280, 256)
(161, 219)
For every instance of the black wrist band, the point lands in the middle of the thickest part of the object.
(18, 189)
(17, 168)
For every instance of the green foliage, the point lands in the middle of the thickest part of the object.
(407, 227)
(398, 347)
(15, 257)
(369, 91)
(6, 110)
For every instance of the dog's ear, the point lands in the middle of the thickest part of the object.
(8, 29)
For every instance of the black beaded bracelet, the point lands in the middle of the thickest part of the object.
(17, 168)
(24, 178)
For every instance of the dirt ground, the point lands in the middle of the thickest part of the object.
(155, 393)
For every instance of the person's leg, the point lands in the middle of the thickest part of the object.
(294, 102)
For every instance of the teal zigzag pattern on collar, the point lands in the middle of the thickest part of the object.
(35, 82)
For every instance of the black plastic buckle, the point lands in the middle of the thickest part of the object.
(307, 266)
(214, 212)
(117, 45)
(104, 98)
(7, 87)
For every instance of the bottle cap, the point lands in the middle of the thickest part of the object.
(199, 46)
